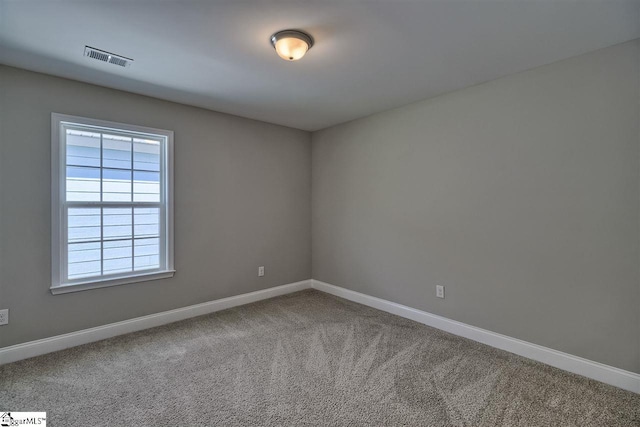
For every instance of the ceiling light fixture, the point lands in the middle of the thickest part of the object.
(291, 45)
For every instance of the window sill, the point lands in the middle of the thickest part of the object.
(95, 284)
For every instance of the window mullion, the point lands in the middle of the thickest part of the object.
(133, 216)
(81, 204)
(65, 239)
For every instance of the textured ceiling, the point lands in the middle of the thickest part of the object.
(369, 55)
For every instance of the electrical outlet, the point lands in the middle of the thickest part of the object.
(4, 316)
(440, 291)
(260, 271)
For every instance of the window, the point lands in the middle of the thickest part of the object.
(112, 210)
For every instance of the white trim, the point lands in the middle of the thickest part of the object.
(578, 365)
(56, 218)
(60, 342)
(88, 121)
(104, 283)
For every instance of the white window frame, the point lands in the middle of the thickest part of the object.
(59, 282)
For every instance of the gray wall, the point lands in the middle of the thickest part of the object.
(242, 199)
(520, 196)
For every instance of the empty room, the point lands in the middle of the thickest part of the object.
(320, 213)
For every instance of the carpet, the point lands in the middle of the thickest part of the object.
(304, 359)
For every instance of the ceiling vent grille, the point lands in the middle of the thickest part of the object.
(109, 57)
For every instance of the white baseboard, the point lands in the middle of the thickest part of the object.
(60, 342)
(578, 365)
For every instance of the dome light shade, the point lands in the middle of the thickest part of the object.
(291, 45)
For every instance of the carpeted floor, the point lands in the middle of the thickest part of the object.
(306, 358)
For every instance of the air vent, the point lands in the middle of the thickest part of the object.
(109, 57)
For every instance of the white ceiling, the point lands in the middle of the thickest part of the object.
(369, 56)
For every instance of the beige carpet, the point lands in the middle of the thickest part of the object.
(304, 359)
